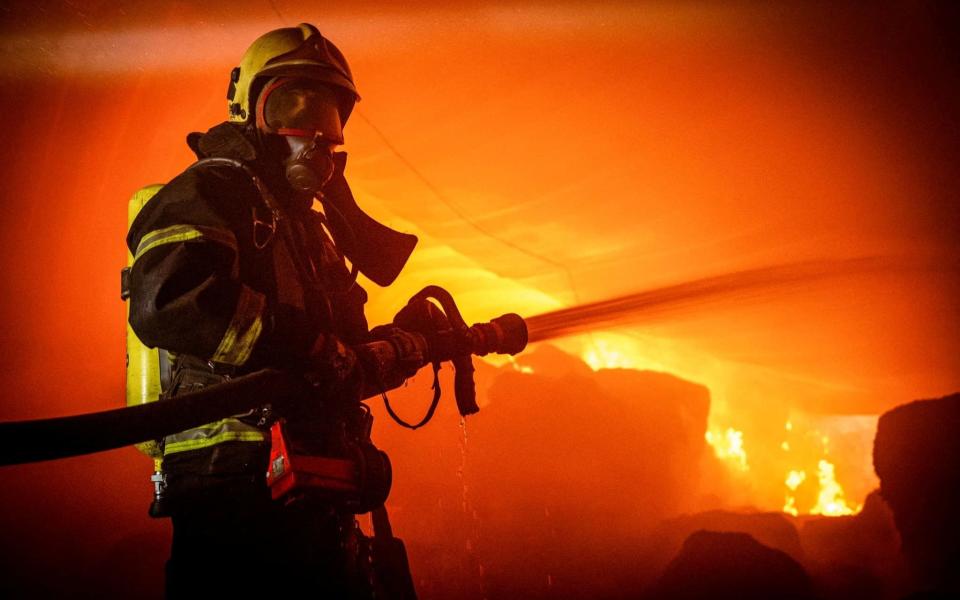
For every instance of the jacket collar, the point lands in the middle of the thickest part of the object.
(231, 140)
(226, 140)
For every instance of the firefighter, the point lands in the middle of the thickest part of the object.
(238, 264)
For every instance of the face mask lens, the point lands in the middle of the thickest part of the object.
(304, 109)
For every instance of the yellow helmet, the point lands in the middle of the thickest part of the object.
(289, 52)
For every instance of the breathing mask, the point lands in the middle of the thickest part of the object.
(305, 114)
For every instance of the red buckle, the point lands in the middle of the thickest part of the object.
(291, 473)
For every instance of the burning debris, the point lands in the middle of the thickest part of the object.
(812, 489)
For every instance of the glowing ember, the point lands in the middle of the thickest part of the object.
(830, 500)
(728, 446)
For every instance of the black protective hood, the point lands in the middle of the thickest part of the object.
(376, 250)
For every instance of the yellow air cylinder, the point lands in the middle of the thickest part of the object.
(143, 363)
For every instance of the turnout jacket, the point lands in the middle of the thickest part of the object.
(230, 276)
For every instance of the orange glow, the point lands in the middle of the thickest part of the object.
(519, 367)
(546, 156)
(601, 356)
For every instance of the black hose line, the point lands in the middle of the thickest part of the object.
(61, 437)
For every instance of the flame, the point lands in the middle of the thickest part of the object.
(830, 495)
(617, 351)
(790, 507)
(728, 446)
(830, 500)
(603, 355)
(803, 450)
(794, 479)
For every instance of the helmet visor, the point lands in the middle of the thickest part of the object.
(303, 108)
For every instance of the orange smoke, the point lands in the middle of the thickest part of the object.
(547, 157)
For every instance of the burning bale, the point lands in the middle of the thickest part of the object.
(731, 565)
(917, 457)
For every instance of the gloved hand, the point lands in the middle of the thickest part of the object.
(408, 349)
(332, 367)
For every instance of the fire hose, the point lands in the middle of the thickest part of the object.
(28, 441)
(62, 437)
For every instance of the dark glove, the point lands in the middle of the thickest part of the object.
(408, 347)
(332, 368)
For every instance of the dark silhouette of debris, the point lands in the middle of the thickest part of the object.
(731, 565)
(771, 529)
(855, 556)
(555, 486)
(916, 454)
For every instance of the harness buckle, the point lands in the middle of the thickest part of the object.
(262, 229)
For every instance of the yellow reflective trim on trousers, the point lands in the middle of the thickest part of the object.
(184, 233)
(244, 329)
(225, 436)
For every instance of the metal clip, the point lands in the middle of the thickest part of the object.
(260, 225)
(159, 479)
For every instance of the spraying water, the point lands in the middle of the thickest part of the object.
(692, 296)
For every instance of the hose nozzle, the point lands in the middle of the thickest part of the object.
(506, 334)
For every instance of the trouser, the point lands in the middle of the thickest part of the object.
(251, 547)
